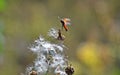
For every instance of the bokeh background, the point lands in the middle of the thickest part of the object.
(93, 38)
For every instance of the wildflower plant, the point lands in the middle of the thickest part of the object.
(50, 58)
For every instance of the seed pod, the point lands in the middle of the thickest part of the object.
(33, 72)
(69, 70)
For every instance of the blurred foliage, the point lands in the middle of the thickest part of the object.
(1, 42)
(94, 33)
(1, 37)
(2, 5)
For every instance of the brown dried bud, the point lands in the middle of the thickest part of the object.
(60, 36)
(58, 74)
(33, 73)
(69, 70)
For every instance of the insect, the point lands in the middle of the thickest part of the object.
(65, 22)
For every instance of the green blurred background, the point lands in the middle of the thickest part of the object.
(93, 38)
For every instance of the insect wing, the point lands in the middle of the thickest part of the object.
(68, 23)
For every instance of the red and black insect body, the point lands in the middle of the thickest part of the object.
(65, 22)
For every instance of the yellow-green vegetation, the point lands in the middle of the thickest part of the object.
(93, 38)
